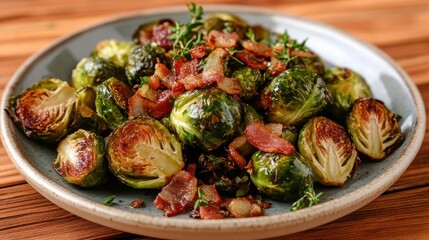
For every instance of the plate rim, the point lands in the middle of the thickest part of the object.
(158, 226)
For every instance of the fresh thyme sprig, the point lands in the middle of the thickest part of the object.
(251, 35)
(289, 44)
(187, 36)
(200, 201)
(308, 199)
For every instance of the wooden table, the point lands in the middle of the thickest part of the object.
(399, 27)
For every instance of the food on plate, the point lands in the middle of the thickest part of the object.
(217, 114)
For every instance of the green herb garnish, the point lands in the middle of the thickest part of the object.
(109, 200)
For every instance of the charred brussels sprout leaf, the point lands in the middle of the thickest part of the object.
(281, 177)
(141, 62)
(45, 110)
(250, 81)
(114, 51)
(373, 128)
(92, 71)
(345, 87)
(80, 159)
(328, 150)
(111, 101)
(207, 118)
(143, 154)
(294, 96)
(86, 116)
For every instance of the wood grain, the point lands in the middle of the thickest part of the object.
(398, 27)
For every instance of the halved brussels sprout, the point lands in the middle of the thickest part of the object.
(111, 101)
(250, 81)
(80, 159)
(328, 150)
(45, 110)
(141, 62)
(86, 116)
(206, 118)
(373, 128)
(281, 177)
(345, 87)
(294, 96)
(114, 51)
(143, 154)
(92, 71)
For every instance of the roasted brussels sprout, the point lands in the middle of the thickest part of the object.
(206, 118)
(250, 115)
(312, 63)
(92, 71)
(114, 51)
(294, 96)
(86, 116)
(281, 177)
(250, 81)
(221, 21)
(111, 101)
(80, 159)
(328, 150)
(345, 87)
(224, 174)
(45, 110)
(143, 154)
(141, 62)
(373, 128)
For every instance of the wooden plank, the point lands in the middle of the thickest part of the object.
(381, 219)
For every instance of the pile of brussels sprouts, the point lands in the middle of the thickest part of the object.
(146, 109)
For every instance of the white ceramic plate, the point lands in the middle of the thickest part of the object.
(388, 82)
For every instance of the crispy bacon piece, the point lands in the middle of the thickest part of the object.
(262, 138)
(258, 48)
(210, 194)
(198, 52)
(219, 39)
(212, 211)
(191, 168)
(164, 75)
(251, 60)
(243, 207)
(139, 106)
(300, 54)
(184, 69)
(176, 196)
(160, 35)
(235, 153)
(277, 67)
(229, 85)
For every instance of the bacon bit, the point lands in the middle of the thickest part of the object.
(191, 168)
(177, 90)
(219, 39)
(262, 138)
(188, 68)
(216, 60)
(229, 85)
(265, 101)
(243, 207)
(277, 66)
(160, 35)
(305, 54)
(154, 82)
(139, 106)
(235, 154)
(164, 74)
(210, 194)
(192, 82)
(198, 52)
(251, 60)
(138, 203)
(176, 196)
(258, 48)
(211, 211)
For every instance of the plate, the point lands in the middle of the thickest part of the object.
(388, 82)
